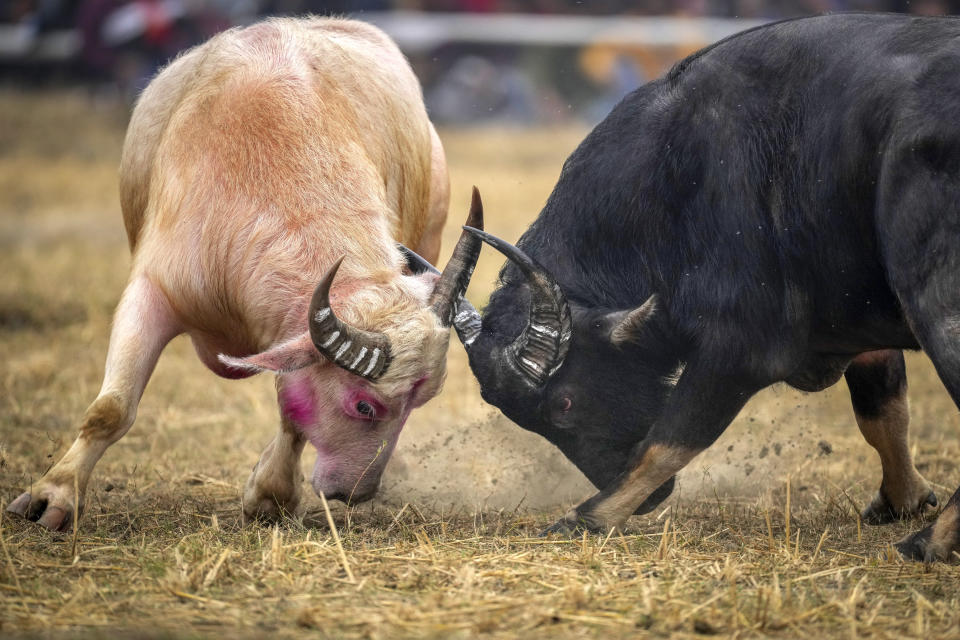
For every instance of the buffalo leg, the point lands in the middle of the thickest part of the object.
(878, 391)
(920, 218)
(937, 541)
(700, 408)
(941, 341)
(273, 489)
(143, 325)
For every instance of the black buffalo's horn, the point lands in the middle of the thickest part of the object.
(541, 347)
(447, 300)
(364, 353)
(415, 262)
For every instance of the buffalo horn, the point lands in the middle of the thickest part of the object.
(447, 300)
(364, 353)
(541, 347)
(415, 262)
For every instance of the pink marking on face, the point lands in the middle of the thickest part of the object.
(297, 402)
(336, 475)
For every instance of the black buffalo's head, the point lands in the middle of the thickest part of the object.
(592, 381)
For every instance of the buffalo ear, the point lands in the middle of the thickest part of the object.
(628, 325)
(291, 355)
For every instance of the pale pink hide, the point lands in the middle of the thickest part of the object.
(251, 164)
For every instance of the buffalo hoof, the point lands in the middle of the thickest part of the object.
(940, 541)
(573, 525)
(40, 509)
(881, 511)
(266, 511)
(918, 547)
(268, 499)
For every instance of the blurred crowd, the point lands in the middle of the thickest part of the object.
(120, 44)
(45, 14)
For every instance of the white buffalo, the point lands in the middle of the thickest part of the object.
(257, 165)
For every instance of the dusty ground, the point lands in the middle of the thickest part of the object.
(449, 548)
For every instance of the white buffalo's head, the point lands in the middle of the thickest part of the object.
(369, 356)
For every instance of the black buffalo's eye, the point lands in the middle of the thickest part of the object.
(565, 404)
(366, 409)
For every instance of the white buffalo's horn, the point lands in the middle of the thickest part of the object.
(364, 353)
(447, 299)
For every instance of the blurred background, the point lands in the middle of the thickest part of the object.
(479, 60)
(513, 87)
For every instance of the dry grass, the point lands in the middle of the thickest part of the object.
(161, 553)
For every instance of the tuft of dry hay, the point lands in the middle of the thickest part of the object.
(166, 565)
(161, 553)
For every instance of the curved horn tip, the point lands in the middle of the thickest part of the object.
(489, 238)
(415, 262)
(321, 293)
(480, 233)
(475, 217)
(516, 255)
(332, 271)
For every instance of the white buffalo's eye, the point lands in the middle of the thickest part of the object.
(366, 409)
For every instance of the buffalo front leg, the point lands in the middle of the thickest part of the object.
(700, 408)
(878, 391)
(274, 487)
(143, 325)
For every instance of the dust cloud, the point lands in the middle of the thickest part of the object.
(494, 464)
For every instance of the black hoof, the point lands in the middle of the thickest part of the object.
(561, 527)
(573, 526)
(881, 512)
(916, 547)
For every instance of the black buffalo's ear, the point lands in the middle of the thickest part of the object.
(627, 326)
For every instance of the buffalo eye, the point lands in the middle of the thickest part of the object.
(366, 410)
(560, 412)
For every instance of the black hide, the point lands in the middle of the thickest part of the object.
(789, 194)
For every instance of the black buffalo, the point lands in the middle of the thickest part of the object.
(782, 206)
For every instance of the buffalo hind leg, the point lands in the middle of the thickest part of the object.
(941, 341)
(143, 325)
(937, 541)
(273, 489)
(699, 409)
(878, 391)
(939, 334)
(919, 215)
